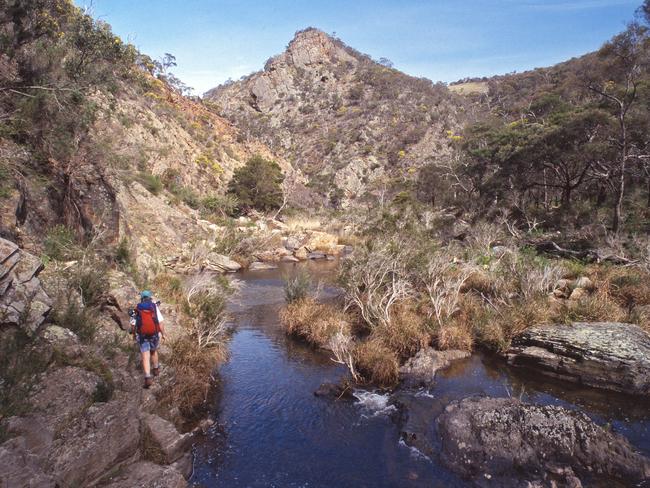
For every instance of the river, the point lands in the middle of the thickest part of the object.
(271, 431)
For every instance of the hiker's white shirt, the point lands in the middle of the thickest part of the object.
(159, 314)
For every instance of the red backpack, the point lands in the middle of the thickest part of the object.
(147, 320)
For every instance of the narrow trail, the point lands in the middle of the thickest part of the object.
(272, 431)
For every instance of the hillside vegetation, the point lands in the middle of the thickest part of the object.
(467, 214)
(353, 126)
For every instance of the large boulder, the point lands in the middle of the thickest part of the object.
(606, 355)
(421, 369)
(220, 263)
(23, 302)
(504, 442)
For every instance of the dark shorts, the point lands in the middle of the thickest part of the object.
(148, 343)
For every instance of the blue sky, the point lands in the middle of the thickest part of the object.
(443, 40)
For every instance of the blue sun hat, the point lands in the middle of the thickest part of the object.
(146, 294)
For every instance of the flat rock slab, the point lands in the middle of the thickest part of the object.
(606, 355)
(172, 444)
(260, 266)
(106, 435)
(421, 370)
(502, 442)
(145, 474)
(19, 467)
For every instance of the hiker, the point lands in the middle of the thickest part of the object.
(148, 331)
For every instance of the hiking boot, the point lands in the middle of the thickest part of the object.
(156, 370)
(148, 381)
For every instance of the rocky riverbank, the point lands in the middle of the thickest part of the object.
(80, 416)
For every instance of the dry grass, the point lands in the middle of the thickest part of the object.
(406, 333)
(302, 222)
(455, 336)
(471, 87)
(193, 376)
(628, 287)
(376, 363)
(598, 307)
(169, 287)
(316, 323)
(479, 282)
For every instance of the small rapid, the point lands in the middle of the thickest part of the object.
(272, 431)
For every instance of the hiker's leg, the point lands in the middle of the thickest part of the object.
(146, 366)
(154, 359)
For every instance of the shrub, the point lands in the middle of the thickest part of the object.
(60, 243)
(221, 205)
(297, 288)
(258, 184)
(151, 182)
(376, 363)
(5, 187)
(193, 377)
(188, 196)
(20, 364)
(123, 253)
(406, 334)
(92, 283)
(376, 281)
(75, 318)
(169, 287)
(103, 392)
(205, 304)
(314, 322)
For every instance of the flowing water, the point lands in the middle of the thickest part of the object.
(271, 431)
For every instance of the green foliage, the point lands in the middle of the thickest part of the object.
(123, 253)
(188, 196)
(53, 56)
(103, 392)
(5, 186)
(219, 205)
(151, 182)
(92, 283)
(76, 318)
(20, 363)
(209, 308)
(258, 184)
(60, 243)
(297, 288)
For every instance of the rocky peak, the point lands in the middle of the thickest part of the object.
(310, 47)
(343, 119)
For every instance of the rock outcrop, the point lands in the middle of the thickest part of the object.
(421, 369)
(345, 120)
(23, 302)
(335, 391)
(611, 356)
(504, 442)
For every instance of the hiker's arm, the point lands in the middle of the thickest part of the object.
(162, 331)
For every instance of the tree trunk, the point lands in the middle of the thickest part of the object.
(620, 193)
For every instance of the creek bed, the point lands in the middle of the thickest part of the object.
(271, 431)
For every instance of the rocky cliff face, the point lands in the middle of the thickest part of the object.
(353, 126)
(135, 176)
